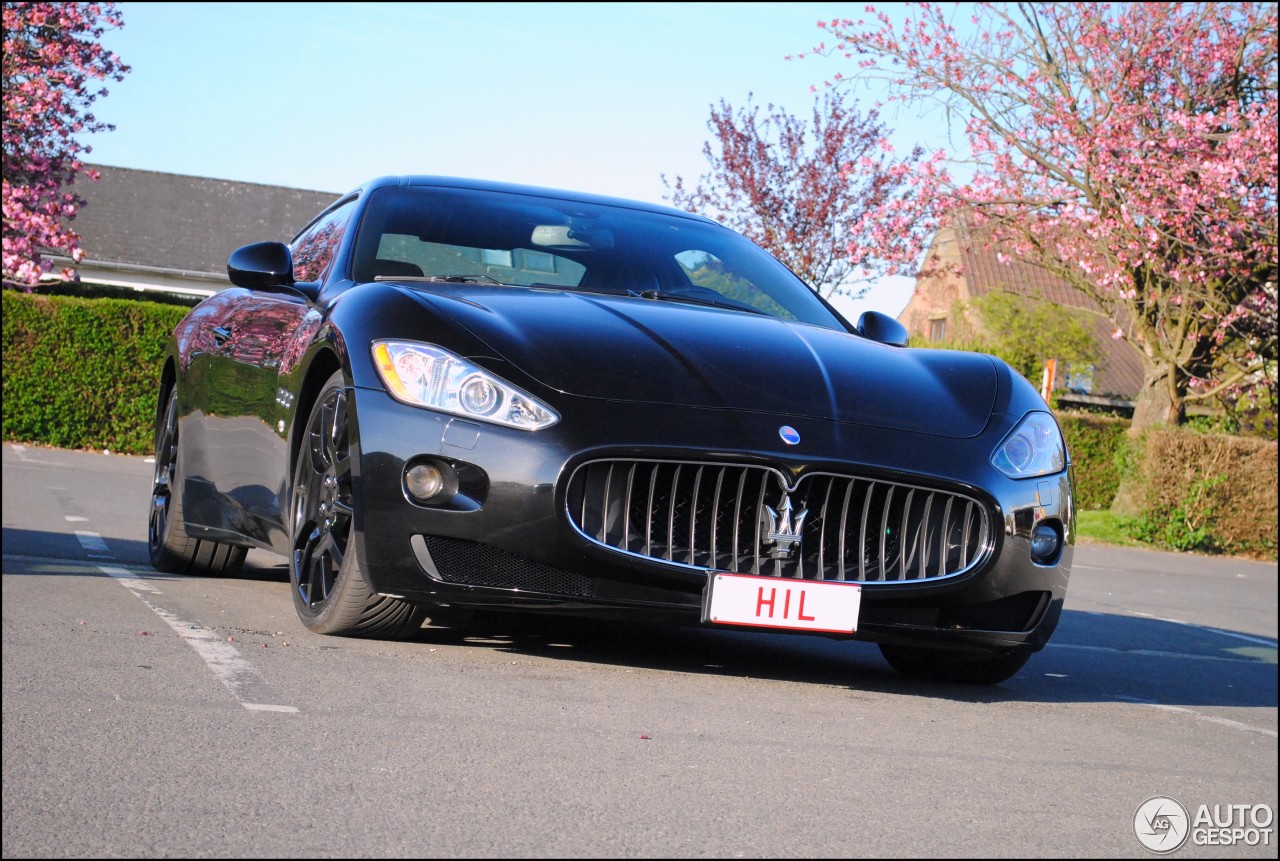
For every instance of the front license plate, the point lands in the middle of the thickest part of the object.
(772, 602)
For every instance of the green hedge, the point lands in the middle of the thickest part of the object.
(83, 373)
(1097, 446)
(1207, 492)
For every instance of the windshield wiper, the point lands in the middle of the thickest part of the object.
(445, 279)
(676, 296)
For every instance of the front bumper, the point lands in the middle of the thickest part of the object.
(506, 541)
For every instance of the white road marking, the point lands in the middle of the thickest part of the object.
(71, 518)
(1248, 639)
(223, 659)
(1154, 653)
(92, 542)
(1227, 722)
(127, 579)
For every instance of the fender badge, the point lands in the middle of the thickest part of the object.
(789, 435)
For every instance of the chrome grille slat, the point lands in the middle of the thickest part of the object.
(693, 515)
(648, 522)
(862, 533)
(903, 559)
(884, 535)
(639, 507)
(942, 532)
(671, 516)
(921, 541)
(604, 506)
(759, 523)
(964, 534)
(626, 506)
(822, 545)
(737, 515)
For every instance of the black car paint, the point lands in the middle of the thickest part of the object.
(638, 378)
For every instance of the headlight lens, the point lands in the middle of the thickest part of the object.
(1034, 447)
(427, 376)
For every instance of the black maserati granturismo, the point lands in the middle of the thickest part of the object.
(453, 395)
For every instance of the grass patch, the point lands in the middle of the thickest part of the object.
(1103, 527)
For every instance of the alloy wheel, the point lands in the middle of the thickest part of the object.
(322, 507)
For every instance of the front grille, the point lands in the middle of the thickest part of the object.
(735, 518)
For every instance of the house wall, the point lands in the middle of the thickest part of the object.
(938, 289)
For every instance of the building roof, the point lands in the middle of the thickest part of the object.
(986, 273)
(188, 224)
(982, 272)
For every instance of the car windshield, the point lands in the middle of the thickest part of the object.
(465, 236)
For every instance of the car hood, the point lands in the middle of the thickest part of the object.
(669, 353)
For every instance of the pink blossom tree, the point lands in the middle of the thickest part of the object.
(802, 192)
(1131, 149)
(52, 61)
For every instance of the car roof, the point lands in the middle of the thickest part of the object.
(513, 188)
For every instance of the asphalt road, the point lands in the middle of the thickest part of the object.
(146, 715)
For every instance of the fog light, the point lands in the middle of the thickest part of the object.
(1046, 542)
(425, 482)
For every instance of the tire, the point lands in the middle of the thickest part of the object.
(968, 668)
(171, 549)
(330, 591)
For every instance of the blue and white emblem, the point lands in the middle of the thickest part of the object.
(789, 435)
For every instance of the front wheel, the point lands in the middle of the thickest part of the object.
(940, 665)
(170, 547)
(330, 592)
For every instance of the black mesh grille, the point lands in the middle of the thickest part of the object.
(476, 564)
(739, 518)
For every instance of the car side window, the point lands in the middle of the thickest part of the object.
(314, 248)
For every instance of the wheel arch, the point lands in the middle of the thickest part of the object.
(323, 365)
(168, 377)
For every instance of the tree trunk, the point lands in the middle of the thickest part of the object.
(1160, 403)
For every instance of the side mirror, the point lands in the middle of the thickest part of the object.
(881, 327)
(261, 266)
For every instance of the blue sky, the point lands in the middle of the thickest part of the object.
(598, 97)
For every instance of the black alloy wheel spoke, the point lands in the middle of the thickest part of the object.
(317, 589)
(333, 553)
(342, 465)
(159, 515)
(301, 556)
(337, 429)
(323, 509)
(166, 463)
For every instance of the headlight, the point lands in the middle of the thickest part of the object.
(1034, 447)
(427, 376)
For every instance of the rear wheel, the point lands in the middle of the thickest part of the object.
(330, 591)
(170, 547)
(940, 665)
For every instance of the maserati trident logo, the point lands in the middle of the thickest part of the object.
(785, 531)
